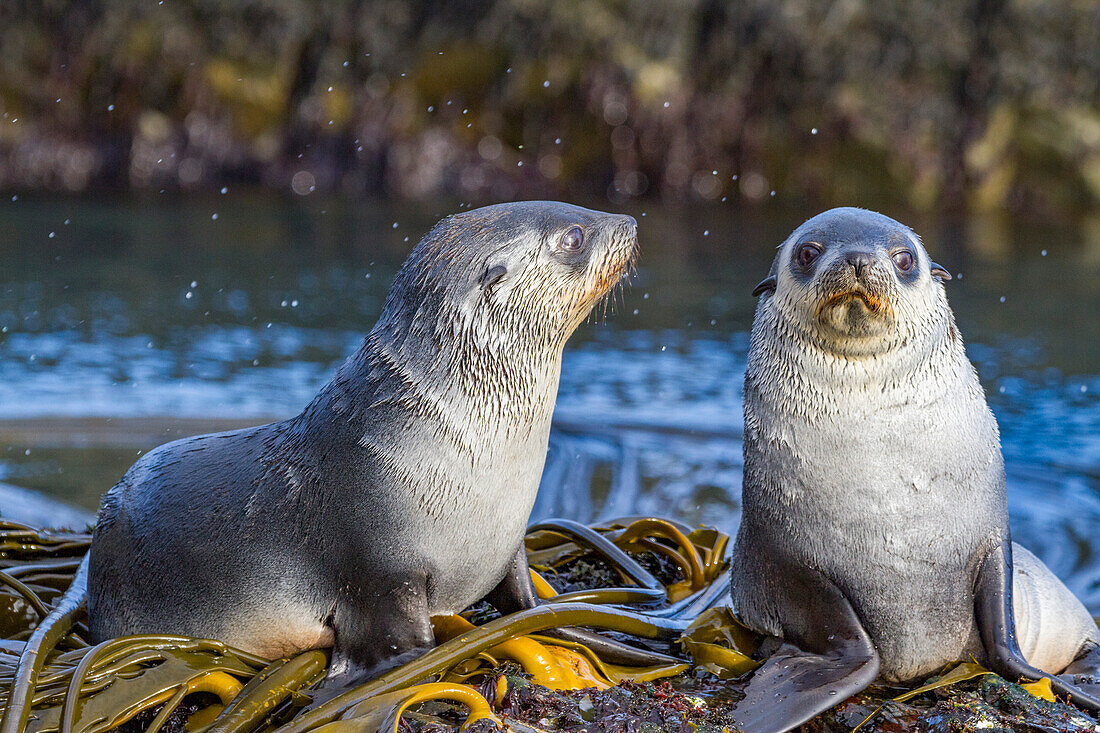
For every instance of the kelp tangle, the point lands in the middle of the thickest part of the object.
(651, 583)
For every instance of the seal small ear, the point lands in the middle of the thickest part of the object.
(491, 276)
(940, 272)
(766, 284)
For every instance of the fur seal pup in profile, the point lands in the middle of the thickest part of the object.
(874, 538)
(401, 491)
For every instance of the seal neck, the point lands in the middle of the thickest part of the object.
(925, 363)
(473, 397)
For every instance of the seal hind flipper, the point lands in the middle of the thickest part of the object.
(826, 657)
(997, 627)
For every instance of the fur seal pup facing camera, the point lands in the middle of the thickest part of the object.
(402, 491)
(874, 537)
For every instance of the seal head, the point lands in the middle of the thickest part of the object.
(851, 279)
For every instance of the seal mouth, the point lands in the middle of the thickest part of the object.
(620, 266)
(873, 302)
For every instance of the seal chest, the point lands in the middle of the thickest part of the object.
(401, 490)
(891, 529)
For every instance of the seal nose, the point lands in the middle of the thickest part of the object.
(629, 225)
(625, 229)
(859, 260)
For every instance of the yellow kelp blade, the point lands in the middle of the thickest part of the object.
(482, 665)
(961, 673)
(267, 690)
(219, 683)
(723, 663)
(679, 591)
(1040, 689)
(135, 674)
(691, 563)
(109, 709)
(543, 589)
(382, 713)
(699, 553)
(712, 544)
(555, 667)
(615, 672)
(720, 644)
(572, 670)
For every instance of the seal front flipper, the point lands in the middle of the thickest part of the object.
(825, 657)
(378, 630)
(997, 627)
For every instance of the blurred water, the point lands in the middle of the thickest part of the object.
(124, 323)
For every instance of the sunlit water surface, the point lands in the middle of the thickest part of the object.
(124, 323)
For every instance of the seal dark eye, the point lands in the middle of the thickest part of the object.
(807, 253)
(573, 240)
(903, 260)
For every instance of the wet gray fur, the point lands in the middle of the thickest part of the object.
(872, 458)
(401, 491)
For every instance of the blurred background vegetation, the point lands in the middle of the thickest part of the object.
(974, 105)
(302, 148)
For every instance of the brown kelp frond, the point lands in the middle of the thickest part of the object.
(658, 586)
